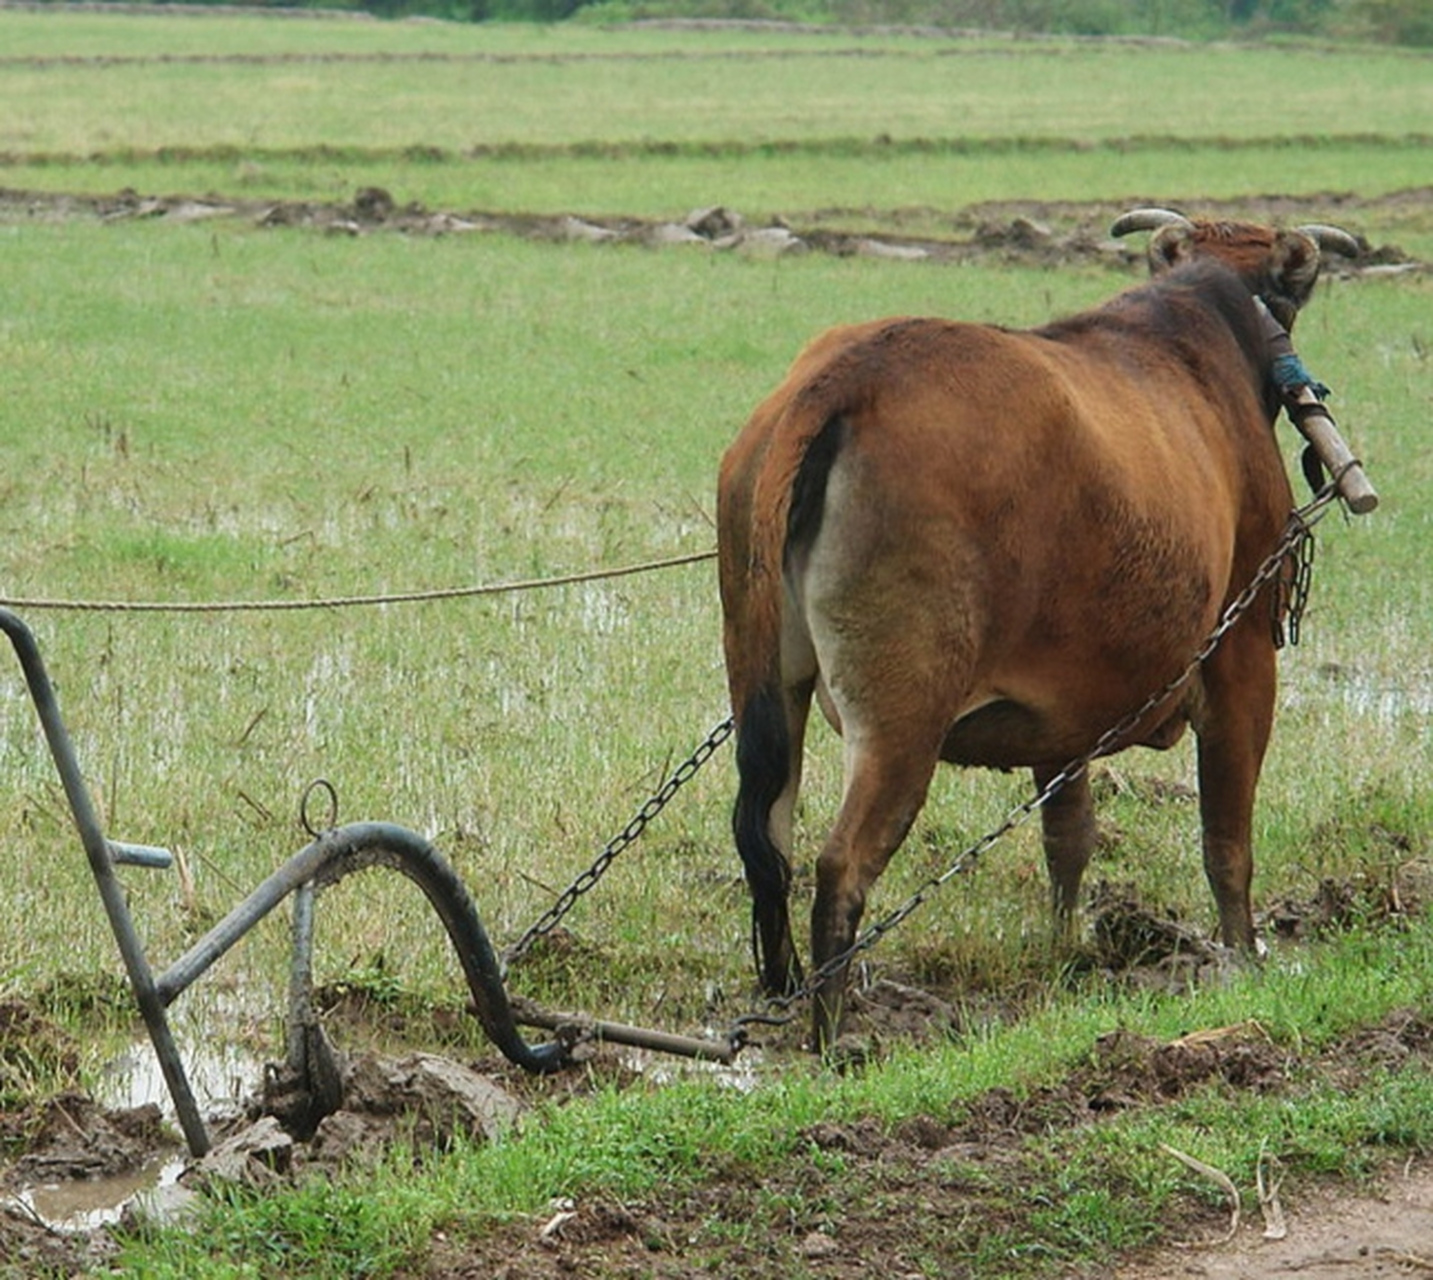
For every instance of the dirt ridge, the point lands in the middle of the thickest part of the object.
(1042, 232)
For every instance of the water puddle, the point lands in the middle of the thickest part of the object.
(1364, 693)
(221, 1076)
(86, 1204)
(743, 1073)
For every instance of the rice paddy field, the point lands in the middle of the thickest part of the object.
(300, 317)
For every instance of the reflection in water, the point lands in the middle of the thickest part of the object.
(1363, 693)
(83, 1204)
(743, 1074)
(221, 1074)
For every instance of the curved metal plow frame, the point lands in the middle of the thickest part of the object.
(332, 855)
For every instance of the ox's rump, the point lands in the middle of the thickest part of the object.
(1000, 548)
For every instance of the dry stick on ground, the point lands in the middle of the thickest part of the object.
(1405, 1259)
(1275, 1227)
(1225, 1183)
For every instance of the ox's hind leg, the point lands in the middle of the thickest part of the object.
(770, 732)
(1067, 821)
(1233, 730)
(885, 786)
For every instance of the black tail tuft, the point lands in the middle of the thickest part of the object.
(763, 765)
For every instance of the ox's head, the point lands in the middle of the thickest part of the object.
(1280, 267)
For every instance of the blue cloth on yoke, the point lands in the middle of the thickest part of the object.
(1290, 376)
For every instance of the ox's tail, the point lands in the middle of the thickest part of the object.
(773, 494)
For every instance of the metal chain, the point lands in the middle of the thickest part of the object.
(588, 879)
(1292, 594)
(1296, 536)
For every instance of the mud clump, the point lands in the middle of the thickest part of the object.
(1126, 1072)
(1129, 934)
(888, 1010)
(29, 1248)
(1401, 1039)
(1149, 949)
(422, 1099)
(76, 1138)
(1131, 1071)
(68, 1138)
(1394, 898)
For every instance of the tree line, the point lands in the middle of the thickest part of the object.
(1406, 22)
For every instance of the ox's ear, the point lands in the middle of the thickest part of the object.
(1294, 266)
(1171, 246)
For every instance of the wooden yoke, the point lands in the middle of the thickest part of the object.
(1303, 400)
(1318, 428)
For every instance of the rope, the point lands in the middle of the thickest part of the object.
(349, 602)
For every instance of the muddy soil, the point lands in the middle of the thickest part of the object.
(1330, 1236)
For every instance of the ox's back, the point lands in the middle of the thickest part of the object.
(1075, 500)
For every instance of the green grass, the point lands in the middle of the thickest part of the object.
(454, 88)
(1074, 1195)
(1040, 94)
(858, 132)
(249, 415)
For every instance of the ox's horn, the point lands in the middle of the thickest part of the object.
(1331, 239)
(1147, 220)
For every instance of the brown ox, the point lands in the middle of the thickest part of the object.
(986, 547)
